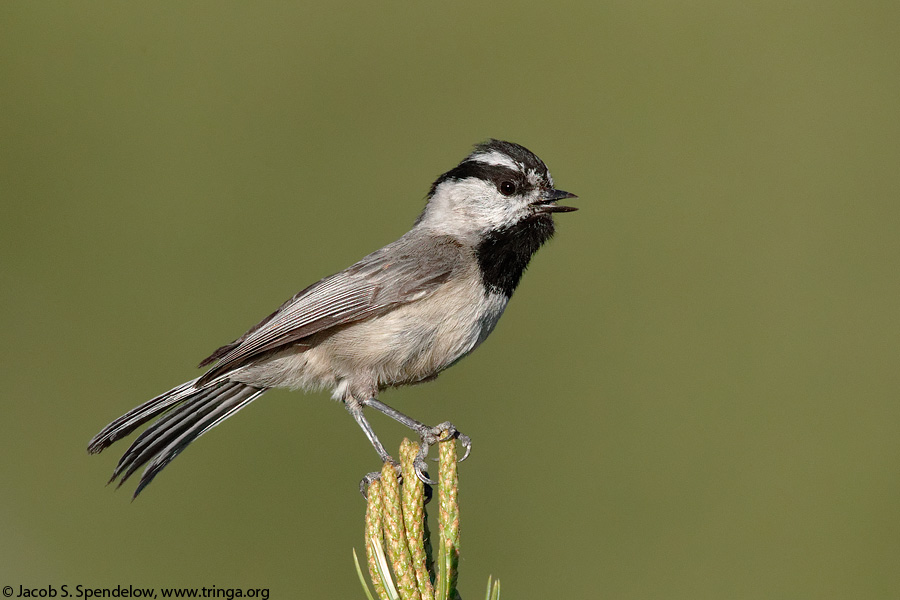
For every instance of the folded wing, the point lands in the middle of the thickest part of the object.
(410, 269)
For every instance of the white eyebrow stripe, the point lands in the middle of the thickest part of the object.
(497, 159)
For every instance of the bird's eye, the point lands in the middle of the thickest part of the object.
(507, 188)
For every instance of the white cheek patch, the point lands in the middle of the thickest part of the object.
(471, 206)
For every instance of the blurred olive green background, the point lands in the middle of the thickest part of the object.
(694, 394)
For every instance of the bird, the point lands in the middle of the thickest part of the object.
(399, 316)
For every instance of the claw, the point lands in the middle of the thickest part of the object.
(368, 478)
(366, 481)
(420, 466)
(466, 442)
(422, 474)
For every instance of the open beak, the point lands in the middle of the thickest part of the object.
(549, 198)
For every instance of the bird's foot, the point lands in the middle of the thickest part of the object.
(433, 435)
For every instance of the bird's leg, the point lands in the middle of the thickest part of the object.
(355, 408)
(428, 435)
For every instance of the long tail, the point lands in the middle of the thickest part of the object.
(189, 413)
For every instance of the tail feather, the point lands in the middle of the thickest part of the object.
(153, 439)
(238, 401)
(199, 411)
(136, 417)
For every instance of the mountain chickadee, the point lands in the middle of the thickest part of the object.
(401, 315)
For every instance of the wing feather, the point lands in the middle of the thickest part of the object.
(410, 269)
